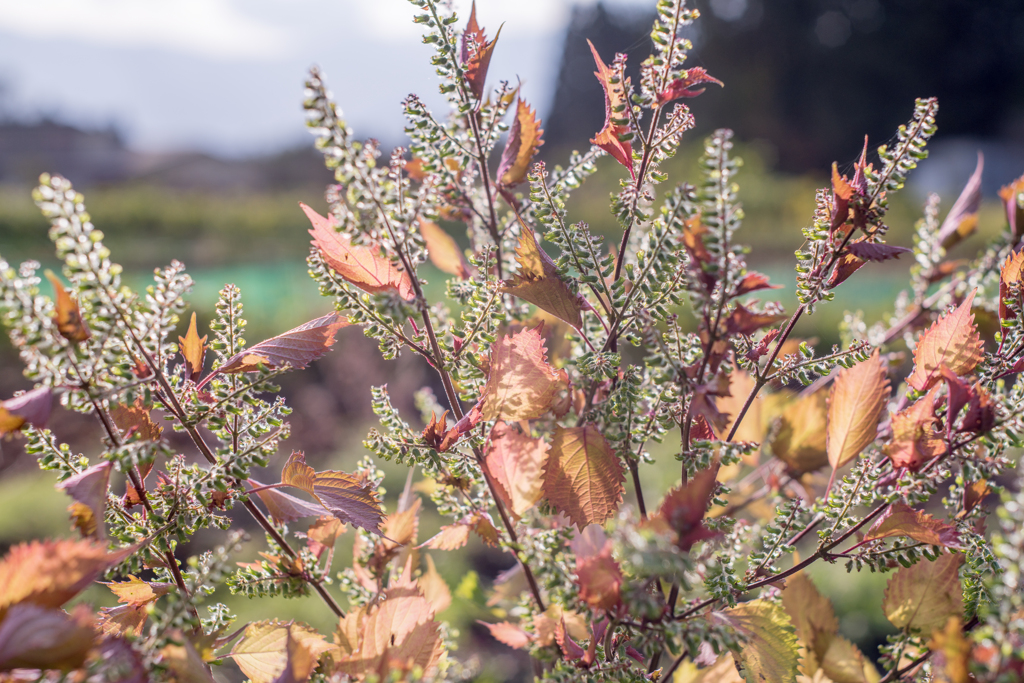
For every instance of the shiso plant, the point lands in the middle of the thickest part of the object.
(561, 359)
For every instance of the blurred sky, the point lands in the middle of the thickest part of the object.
(225, 76)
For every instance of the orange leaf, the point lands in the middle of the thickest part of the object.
(600, 579)
(136, 421)
(521, 146)
(295, 348)
(539, 283)
(345, 495)
(476, 54)
(193, 350)
(68, 317)
(953, 341)
(508, 634)
(443, 251)
(516, 460)
(137, 592)
(450, 537)
(583, 477)
(914, 438)
(49, 573)
(1010, 273)
(360, 265)
(856, 403)
(434, 588)
(520, 383)
(902, 520)
(323, 534)
(615, 110)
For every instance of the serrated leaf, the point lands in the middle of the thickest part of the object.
(753, 282)
(952, 341)
(915, 440)
(800, 440)
(962, 219)
(682, 87)
(193, 350)
(49, 573)
(744, 321)
(122, 620)
(262, 651)
(285, 508)
(323, 534)
(902, 520)
(443, 251)
(615, 107)
(523, 141)
(814, 618)
(875, 251)
(583, 477)
(539, 283)
(769, 653)
(137, 592)
(520, 383)
(136, 595)
(924, 596)
(508, 634)
(295, 348)
(846, 266)
(89, 489)
(515, 461)
(359, 265)
(346, 496)
(398, 632)
(34, 637)
(450, 537)
(476, 53)
(33, 407)
(856, 402)
(67, 318)
(135, 420)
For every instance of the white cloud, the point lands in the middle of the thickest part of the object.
(209, 28)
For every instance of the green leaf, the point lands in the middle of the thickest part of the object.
(769, 654)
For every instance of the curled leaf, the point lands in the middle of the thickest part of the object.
(583, 477)
(953, 341)
(684, 507)
(856, 402)
(539, 283)
(1013, 201)
(616, 121)
(476, 54)
(295, 348)
(89, 491)
(523, 141)
(682, 87)
(360, 265)
(344, 495)
(68, 317)
(962, 219)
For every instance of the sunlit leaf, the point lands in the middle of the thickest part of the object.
(682, 512)
(915, 440)
(952, 653)
(33, 408)
(875, 251)
(814, 618)
(285, 508)
(443, 251)
(193, 350)
(902, 520)
(295, 348)
(135, 421)
(800, 440)
(769, 653)
(682, 86)
(35, 637)
(1011, 273)
(616, 116)
(520, 383)
(600, 580)
(1013, 203)
(508, 634)
(89, 489)
(68, 317)
(434, 588)
(516, 460)
(360, 265)
(346, 496)
(962, 219)
(925, 595)
(856, 402)
(845, 663)
(523, 141)
(583, 477)
(262, 651)
(953, 341)
(476, 54)
(539, 283)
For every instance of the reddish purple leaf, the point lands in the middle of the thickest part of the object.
(32, 407)
(873, 251)
(681, 87)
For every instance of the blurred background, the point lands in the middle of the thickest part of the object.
(181, 122)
